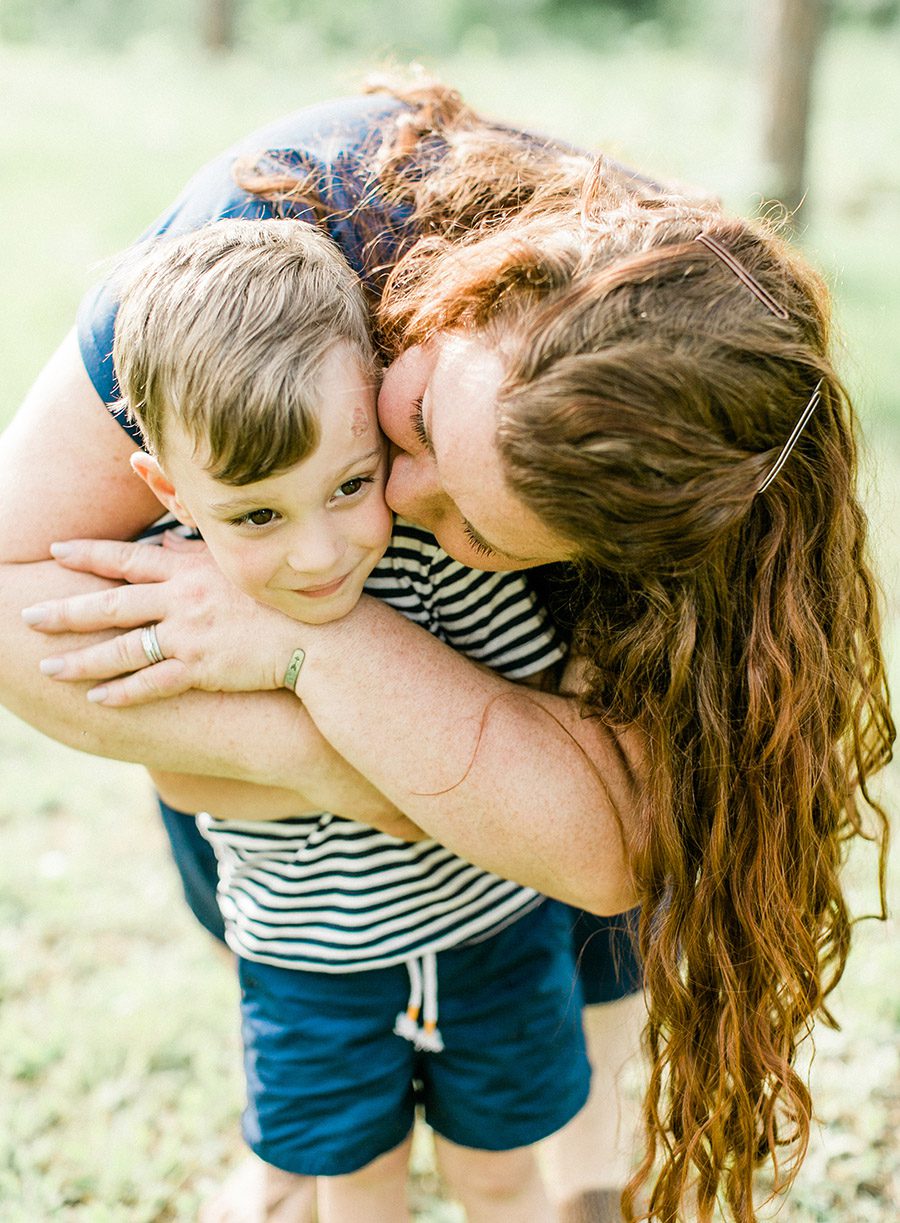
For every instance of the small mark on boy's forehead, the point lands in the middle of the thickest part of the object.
(360, 421)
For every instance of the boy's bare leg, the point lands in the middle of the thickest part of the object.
(587, 1163)
(374, 1194)
(256, 1192)
(494, 1186)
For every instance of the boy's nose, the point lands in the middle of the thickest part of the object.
(316, 552)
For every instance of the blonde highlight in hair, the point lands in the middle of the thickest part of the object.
(225, 331)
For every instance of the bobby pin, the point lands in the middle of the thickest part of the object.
(743, 275)
(792, 440)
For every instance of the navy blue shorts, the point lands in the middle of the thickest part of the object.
(331, 1086)
(604, 947)
(196, 862)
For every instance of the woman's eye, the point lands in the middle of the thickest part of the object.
(258, 518)
(480, 547)
(350, 488)
(418, 424)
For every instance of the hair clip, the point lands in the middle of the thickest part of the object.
(743, 275)
(792, 440)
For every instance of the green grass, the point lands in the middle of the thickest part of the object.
(119, 1052)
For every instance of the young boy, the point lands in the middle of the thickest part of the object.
(243, 352)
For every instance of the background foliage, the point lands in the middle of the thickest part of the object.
(440, 26)
(119, 1081)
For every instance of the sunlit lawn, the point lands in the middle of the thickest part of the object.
(119, 1053)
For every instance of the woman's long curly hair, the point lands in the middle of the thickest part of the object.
(648, 392)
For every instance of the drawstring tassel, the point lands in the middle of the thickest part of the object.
(429, 1035)
(407, 1022)
(422, 1001)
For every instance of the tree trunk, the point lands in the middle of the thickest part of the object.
(218, 24)
(793, 36)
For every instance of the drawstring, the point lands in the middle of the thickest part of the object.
(422, 1000)
(406, 1024)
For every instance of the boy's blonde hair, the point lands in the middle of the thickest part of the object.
(225, 331)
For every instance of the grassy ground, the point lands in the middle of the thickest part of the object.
(118, 1041)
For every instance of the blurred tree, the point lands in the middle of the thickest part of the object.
(794, 32)
(218, 24)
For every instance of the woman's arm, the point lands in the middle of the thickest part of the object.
(64, 469)
(513, 780)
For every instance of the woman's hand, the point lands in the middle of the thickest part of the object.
(213, 637)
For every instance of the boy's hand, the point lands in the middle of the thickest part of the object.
(211, 635)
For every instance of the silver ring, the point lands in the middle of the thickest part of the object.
(150, 645)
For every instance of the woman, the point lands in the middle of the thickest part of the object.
(593, 374)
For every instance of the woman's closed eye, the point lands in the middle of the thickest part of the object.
(478, 544)
(417, 423)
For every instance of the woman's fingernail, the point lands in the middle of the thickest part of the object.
(34, 615)
(98, 695)
(60, 549)
(51, 666)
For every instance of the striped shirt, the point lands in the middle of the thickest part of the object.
(326, 894)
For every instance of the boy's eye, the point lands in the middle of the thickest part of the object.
(351, 487)
(258, 518)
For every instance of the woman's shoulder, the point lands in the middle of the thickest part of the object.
(330, 140)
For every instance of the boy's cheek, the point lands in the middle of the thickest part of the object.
(248, 575)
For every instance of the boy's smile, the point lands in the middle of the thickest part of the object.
(305, 539)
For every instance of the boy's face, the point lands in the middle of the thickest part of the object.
(305, 540)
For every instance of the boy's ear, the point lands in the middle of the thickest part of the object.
(148, 468)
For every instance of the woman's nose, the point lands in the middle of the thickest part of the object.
(413, 488)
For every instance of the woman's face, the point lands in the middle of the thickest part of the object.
(438, 408)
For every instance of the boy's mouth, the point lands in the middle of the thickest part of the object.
(320, 592)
